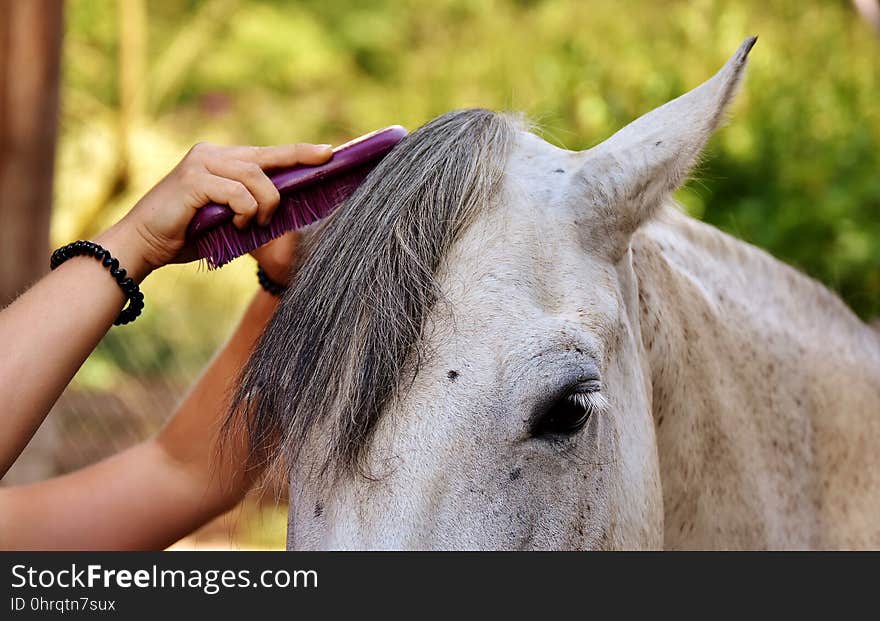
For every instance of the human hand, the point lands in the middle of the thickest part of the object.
(277, 257)
(153, 233)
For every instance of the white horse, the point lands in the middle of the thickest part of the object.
(596, 370)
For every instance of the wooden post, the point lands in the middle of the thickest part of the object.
(30, 60)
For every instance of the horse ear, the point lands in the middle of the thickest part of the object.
(630, 174)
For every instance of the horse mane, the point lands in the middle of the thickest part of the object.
(345, 335)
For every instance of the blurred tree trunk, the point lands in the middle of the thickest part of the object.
(30, 59)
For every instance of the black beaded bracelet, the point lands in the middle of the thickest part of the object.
(268, 284)
(128, 286)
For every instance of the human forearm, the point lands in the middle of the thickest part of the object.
(192, 436)
(129, 501)
(150, 495)
(48, 332)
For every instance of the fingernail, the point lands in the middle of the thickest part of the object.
(325, 146)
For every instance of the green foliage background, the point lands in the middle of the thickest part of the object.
(797, 171)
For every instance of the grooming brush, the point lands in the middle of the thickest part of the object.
(308, 193)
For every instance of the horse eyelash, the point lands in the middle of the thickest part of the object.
(593, 401)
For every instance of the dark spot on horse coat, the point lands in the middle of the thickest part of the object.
(515, 473)
(319, 509)
(452, 375)
(559, 170)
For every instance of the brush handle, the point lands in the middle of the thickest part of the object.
(368, 148)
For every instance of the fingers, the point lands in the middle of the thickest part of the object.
(277, 256)
(285, 155)
(254, 179)
(233, 193)
(234, 176)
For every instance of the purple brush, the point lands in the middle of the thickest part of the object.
(308, 193)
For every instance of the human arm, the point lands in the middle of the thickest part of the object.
(50, 330)
(152, 494)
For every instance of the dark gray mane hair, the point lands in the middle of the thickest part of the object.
(345, 335)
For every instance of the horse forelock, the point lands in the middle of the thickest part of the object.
(336, 350)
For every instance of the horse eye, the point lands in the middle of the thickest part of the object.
(568, 414)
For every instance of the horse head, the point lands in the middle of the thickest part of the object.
(459, 362)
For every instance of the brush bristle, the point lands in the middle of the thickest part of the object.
(297, 208)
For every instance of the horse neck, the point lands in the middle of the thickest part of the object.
(760, 379)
